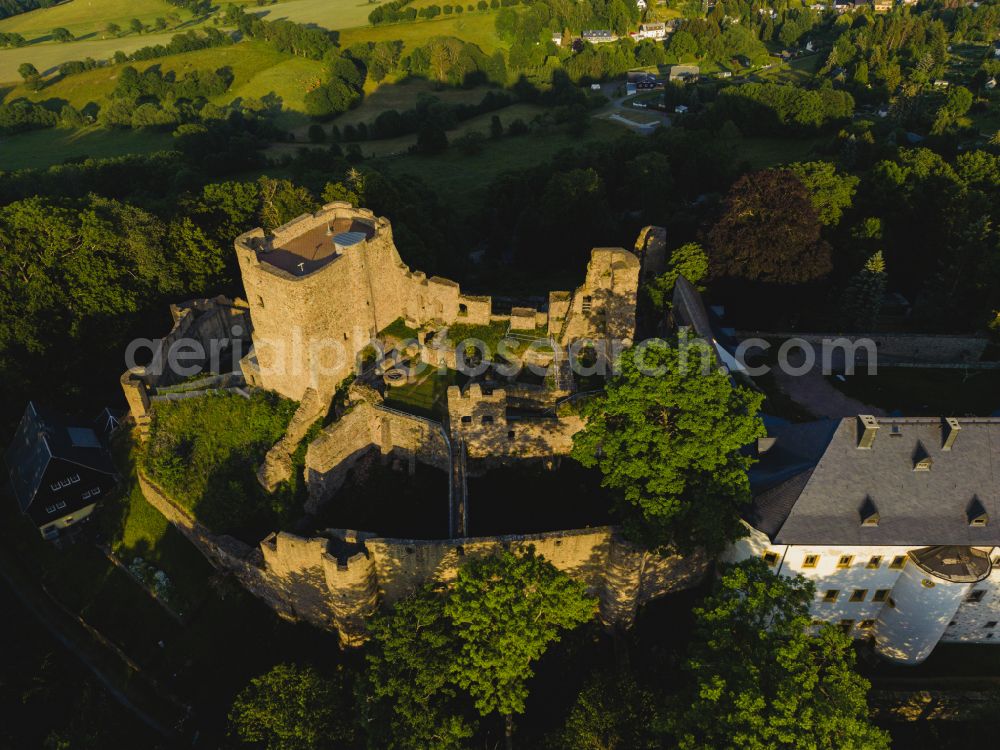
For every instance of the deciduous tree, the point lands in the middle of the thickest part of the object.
(769, 231)
(293, 708)
(761, 680)
(667, 434)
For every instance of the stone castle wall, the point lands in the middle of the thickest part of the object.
(367, 426)
(212, 324)
(338, 580)
(480, 417)
(892, 348)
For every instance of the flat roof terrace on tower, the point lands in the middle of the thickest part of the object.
(311, 250)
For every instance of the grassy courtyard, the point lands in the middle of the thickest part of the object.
(205, 453)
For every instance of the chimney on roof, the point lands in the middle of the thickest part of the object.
(869, 426)
(952, 428)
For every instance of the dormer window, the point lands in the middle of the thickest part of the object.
(921, 459)
(976, 513)
(869, 513)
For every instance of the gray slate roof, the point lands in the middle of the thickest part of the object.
(42, 437)
(809, 488)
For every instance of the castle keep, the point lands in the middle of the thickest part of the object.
(323, 286)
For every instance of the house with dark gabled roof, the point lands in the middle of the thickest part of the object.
(895, 520)
(58, 471)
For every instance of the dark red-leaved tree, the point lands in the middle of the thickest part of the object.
(769, 232)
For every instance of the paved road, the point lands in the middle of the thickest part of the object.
(815, 393)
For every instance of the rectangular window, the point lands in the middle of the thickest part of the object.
(95, 492)
(85, 495)
(990, 624)
(830, 595)
(874, 562)
(810, 561)
(847, 625)
(771, 558)
(60, 505)
(880, 595)
(74, 479)
(55, 486)
(50, 509)
(859, 595)
(898, 562)
(845, 561)
(866, 624)
(976, 595)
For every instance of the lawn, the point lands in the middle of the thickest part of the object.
(761, 153)
(403, 95)
(391, 147)
(44, 148)
(205, 452)
(88, 17)
(133, 528)
(424, 397)
(927, 392)
(798, 71)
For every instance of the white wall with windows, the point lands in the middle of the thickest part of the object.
(856, 585)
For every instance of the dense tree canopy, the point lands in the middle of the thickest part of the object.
(761, 679)
(471, 645)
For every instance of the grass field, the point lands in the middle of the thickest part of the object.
(761, 153)
(49, 56)
(477, 28)
(330, 14)
(88, 17)
(257, 67)
(43, 148)
(462, 180)
(389, 147)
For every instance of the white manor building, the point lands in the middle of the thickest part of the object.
(896, 520)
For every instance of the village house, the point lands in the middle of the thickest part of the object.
(58, 471)
(685, 73)
(597, 36)
(650, 31)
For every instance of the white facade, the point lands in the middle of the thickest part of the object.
(880, 592)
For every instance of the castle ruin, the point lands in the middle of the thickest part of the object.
(321, 291)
